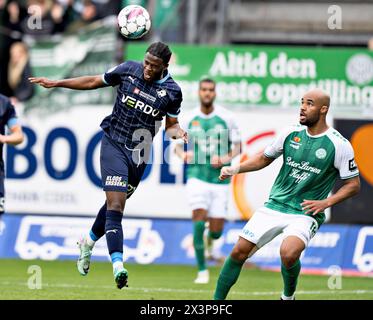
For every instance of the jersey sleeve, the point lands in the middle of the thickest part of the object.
(173, 109)
(276, 148)
(345, 161)
(112, 77)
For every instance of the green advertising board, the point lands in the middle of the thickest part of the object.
(90, 52)
(265, 76)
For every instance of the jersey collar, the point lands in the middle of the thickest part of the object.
(318, 135)
(160, 81)
(207, 116)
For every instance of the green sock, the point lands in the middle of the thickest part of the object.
(199, 247)
(215, 234)
(227, 278)
(290, 277)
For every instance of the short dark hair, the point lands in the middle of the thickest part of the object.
(160, 50)
(208, 80)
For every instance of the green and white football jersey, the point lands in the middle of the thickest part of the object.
(209, 135)
(310, 168)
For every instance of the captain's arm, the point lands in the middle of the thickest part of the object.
(348, 172)
(349, 188)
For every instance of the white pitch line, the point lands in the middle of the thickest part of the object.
(242, 293)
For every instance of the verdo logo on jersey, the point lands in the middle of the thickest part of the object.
(137, 104)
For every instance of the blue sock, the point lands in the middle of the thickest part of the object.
(93, 236)
(116, 257)
(98, 228)
(114, 232)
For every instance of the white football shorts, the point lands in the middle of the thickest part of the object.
(209, 196)
(266, 224)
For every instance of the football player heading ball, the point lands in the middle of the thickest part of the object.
(146, 94)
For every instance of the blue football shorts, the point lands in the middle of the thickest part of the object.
(121, 168)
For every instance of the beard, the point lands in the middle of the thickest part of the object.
(207, 103)
(310, 121)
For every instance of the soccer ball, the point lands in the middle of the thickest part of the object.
(134, 21)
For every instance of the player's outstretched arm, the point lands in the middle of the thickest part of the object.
(79, 83)
(350, 188)
(256, 162)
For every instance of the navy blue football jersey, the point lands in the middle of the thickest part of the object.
(139, 105)
(8, 118)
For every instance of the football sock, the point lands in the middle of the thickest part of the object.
(228, 277)
(215, 234)
(199, 247)
(98, 228)
(114, 235)
(117, 261)
(290, 278)
(214, 248)
(91, 239)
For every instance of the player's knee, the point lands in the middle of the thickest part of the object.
(289, 257)
(241, 251)
(199, 215)
(115, 206)
(238, 254)
(215, 234)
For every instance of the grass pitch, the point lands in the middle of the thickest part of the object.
(61, 281)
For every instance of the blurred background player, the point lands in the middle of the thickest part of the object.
(18, 72)
(8, 118)
(146, 94)
(214, 142)
(313, 154)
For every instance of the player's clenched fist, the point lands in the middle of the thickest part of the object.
(227, 172)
